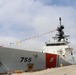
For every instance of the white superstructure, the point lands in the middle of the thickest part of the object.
(60, 46)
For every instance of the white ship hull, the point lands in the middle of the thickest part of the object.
(13, 59)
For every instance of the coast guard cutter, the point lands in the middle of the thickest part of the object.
(54, 54)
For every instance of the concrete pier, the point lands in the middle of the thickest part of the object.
(67, 70)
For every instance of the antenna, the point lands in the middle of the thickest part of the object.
(60, 20)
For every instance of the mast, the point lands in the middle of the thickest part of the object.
(60, 20)
(60, 36)
(60, 31)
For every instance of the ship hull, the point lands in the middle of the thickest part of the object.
(14, 59)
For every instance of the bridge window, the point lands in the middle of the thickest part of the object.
(56, 44)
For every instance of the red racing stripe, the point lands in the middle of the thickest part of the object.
(50, 60)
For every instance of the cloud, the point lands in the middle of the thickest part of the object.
(21, 19)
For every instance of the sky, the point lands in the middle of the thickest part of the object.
(23, 19)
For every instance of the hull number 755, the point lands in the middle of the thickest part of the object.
(26, 59)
